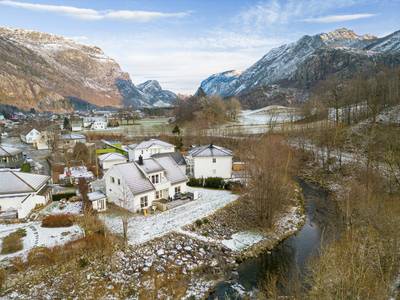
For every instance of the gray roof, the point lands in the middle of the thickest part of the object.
(45, 190)
(112, 156)
(176, 156)
(149, 143)
(71, 136)
(172, 170)
(210, 151)
(97, 195)
(19, 182)
(150, 165)
(9, 151)
(134, 178)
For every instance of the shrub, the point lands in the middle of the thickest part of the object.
(195, 182)
(57, 197)
(205, 220)
(224, 224)
(205, 234)
(199, 222)
(11, 244)
(58, 220)
(214, 182)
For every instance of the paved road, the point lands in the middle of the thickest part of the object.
(38, 156)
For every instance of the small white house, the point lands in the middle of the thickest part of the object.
(95, 122)
(23, 191)
(99, 125)
(44, 140)
(210, 161)
(147, 148)
(99, 200)
(76, 127)
(135, 185)
(30, 134)
(107, 160)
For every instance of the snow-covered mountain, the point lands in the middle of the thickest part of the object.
(38, 68)
(216, 82)
(309, 59)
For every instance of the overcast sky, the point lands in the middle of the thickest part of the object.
(180, 43)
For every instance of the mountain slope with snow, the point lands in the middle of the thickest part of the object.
(292, 64)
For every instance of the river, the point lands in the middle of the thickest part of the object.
(291, 252)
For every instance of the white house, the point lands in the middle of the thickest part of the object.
(30, 134)
(44, 140)
(210, 161)
(147, 148)
(23, 191)
(135, 185)
(99, 200)
(107, 160)
(95, 122)
(76, 127)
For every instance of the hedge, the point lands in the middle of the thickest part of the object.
(26, 167)
(57, 197)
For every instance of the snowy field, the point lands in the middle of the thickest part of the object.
(142, 229)
(38, 236)
(267, 115)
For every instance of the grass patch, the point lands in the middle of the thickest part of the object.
(58, 220)
(13, 242)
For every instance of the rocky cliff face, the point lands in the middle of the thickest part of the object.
(312, 58)
(38, 68)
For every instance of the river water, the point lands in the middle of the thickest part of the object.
(293, 252)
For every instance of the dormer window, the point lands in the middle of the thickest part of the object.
(214, 160)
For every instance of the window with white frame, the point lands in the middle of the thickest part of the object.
(143, 202)
(214, 160)
(119, 181)
(177, 190)
(112, 179)
(214, 171)
(158, 194)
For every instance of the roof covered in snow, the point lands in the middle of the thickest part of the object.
(149, 143)
(172, 171)
(150, 165)
(210, 151)
(112, 156)
(134, 178)
(97, 195)
(9, 151)
(71, 136)
(176, 156)
(20, 182)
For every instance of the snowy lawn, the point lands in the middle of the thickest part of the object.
(38, 236)
(142, 229)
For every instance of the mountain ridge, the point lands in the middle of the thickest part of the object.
(281, 64)
(73, 70)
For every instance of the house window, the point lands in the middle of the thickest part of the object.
(158, 194)
(214, 171)
(142, 151)
(112, 179)
(214, 160)
(177, 190)
(157, 178)
(143, 201)
(153, 179)
(119, 181)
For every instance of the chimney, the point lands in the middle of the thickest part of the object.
(140, 160)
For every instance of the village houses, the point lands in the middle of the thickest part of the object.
(30, 134)
(147, 148)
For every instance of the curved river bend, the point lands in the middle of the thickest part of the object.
(291, 252)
